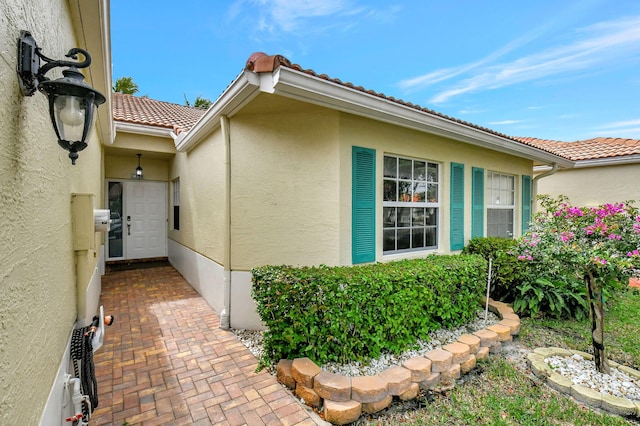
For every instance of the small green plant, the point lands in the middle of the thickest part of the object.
(557, 298)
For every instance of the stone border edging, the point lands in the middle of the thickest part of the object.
(613, 404)
(344, 399)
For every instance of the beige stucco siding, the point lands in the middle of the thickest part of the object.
(202, 188)
(285, 184)
(38, 279)
(594, 185)
(388, 139)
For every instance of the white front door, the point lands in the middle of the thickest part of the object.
(143, 218)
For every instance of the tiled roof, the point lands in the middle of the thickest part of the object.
(589, 149)
(260, 62)
(142, 110)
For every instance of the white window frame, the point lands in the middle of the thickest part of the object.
(412, 203)
(502, 197)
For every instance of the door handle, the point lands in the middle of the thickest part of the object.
(128, 225)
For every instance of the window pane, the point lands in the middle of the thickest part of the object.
(432, 193)
(431, 237)
(404, 217)
(419, 192)
(405, 191)
(389, 214)
(390, 167)
(500, 223)
(417, 217)
(390, 190)
(431, 217)
(389, 243)
(417, 237)
(432, 173)
(404, 239)
(116, 248)
(405, 169)
(419, 170)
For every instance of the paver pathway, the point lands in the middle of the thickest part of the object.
(165, 361)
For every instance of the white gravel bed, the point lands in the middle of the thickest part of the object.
(583, 372)
(253, 341)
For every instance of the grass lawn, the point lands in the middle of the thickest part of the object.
(501, 394)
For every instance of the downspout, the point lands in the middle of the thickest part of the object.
(225, 315)
(534, 196)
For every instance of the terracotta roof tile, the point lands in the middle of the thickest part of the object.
(142, 110)
(588, 149)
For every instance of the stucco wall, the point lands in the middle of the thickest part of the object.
(202, 185)
(285, 185)
(124, 166)
(594, 185)
(38, 280)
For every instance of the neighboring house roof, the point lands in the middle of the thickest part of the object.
(276, 75)
(149, 112)
(592, 151)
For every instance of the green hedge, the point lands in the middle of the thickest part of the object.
(354, 313)
(507, 271)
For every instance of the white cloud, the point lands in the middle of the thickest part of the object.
(618, 124)
(597, 45)
(497, 123)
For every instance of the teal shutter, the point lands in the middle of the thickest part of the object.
(363, 193)
(526, 203)
(477, 202)
(457, 207)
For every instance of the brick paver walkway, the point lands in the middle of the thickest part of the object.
(165, 361)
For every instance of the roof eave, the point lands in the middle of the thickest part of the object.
(611, 161)
(143, 129)
(240, 92)
(298, 85)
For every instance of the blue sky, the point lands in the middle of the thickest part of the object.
(552, 69)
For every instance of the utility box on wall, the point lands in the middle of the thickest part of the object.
(82, 222)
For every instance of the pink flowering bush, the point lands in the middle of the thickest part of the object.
(603, 241)
(600, 245)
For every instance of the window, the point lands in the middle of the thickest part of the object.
(501, 196)
(176, 204)
(410, 205)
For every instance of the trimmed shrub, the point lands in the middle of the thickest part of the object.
(354, 313)
(507, 272)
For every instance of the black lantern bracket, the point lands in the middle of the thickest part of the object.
(72, 102)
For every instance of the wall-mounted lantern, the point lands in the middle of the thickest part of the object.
(72, 102)
(138, 174)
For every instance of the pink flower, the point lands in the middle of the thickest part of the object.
(525, 257)
(600, 260)
(635, 252)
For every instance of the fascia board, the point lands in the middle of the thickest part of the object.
(307, 88)
(240, 92)
(91, 21)
(143, 129)
(613, 161)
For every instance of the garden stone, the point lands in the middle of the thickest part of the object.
(503, 332)
(335, 387)
(420, 368)
(284, 375)
(459, 352)
(560, 383)
(482, 353)
(587, 395)
(451, 374)
(398, 379)
(617, 405)
(431, 381)
(304, 370)
(468, 364)
(440, 360)
(368, 388)
(342, 412)
(512, 324)
(411, 393)
(487, 337)
(470, 340)
(308, 395)
(374, 407)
